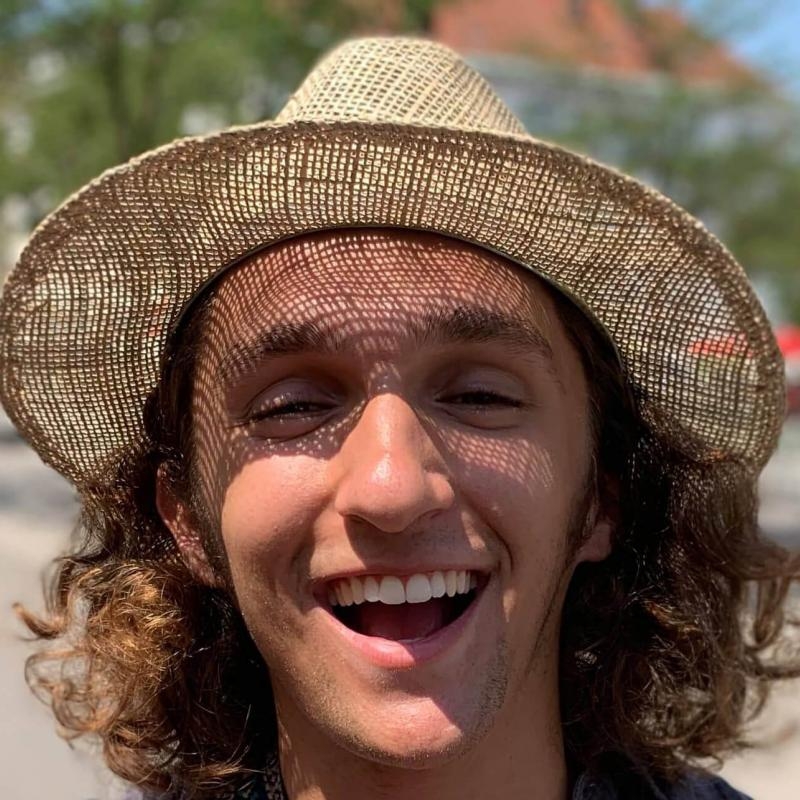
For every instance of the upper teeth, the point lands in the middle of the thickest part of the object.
(389, 589)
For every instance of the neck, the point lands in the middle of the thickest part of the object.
(522, 756)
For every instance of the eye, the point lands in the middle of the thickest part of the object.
(288, 410)
(285, 412)
(483, 397)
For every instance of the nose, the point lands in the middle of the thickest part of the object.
(390, 472)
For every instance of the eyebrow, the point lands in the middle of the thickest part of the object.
(441, 326)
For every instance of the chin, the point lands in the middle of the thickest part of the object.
(419, 735)
(410, 751)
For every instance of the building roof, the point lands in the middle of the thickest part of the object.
(595, 33)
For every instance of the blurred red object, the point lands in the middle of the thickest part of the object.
(727, 345)
(788, 337)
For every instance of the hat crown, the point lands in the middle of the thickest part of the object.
(402, 80)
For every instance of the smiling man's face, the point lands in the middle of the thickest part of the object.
(393, 442)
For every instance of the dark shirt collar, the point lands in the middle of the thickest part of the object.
(616, 779)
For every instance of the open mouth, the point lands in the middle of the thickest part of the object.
(403, 608)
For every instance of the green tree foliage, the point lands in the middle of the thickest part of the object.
(89, 83)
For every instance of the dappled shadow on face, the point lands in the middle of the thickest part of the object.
(389, 399)
(367, 295)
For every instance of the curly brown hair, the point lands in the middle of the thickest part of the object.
(668, 647)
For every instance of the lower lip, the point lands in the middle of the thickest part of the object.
(391, 654)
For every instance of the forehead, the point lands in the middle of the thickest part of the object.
(380, 280)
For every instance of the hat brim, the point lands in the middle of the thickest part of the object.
(85, 314)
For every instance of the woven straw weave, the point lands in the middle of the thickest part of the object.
(384, 132)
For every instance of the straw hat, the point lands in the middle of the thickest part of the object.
(384, 132)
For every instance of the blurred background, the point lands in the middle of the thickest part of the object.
(700, 98)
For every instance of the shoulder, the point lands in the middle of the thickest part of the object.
(259, 787)
(622, 779)
(703, 787)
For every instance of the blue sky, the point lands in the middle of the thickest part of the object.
(763, 32)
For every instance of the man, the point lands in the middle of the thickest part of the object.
(400, 473)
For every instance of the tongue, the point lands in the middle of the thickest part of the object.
(406, 621)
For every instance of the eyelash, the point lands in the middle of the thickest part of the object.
(496, 399)
(284, 410)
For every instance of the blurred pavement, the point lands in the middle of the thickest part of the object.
(37, 510)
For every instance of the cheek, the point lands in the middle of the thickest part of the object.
(267, 514)
(525, 490)
(524, 482)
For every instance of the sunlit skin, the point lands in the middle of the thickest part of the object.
(392, 455)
